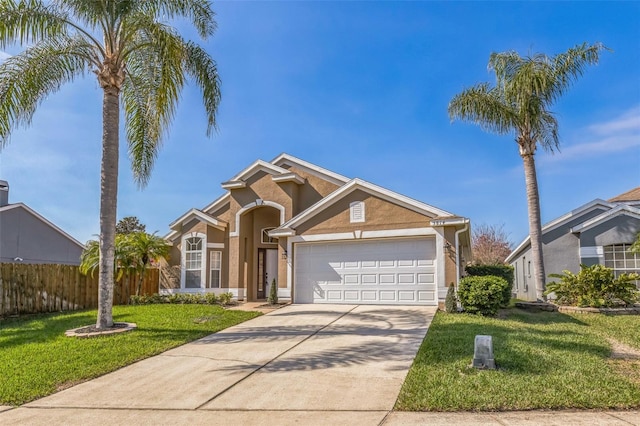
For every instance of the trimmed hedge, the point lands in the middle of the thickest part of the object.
(183, 299)
(503, 271)
(482, 294)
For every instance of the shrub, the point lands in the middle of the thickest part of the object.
(450, 302)
(225, 298)
(182, 299)
(273, 293)
(594, 286)
(482, 294)
(503, 271)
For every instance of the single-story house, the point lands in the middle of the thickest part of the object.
(599, 232)
(320, 236)
(27, 237)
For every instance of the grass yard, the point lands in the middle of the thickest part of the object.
(545, 360)
(37, 359)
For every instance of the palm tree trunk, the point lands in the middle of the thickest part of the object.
(535, 224)
(108, 203)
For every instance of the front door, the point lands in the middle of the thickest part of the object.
(267, 270)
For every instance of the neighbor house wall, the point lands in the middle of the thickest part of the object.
(25, 236)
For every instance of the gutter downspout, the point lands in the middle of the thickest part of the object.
(456, 240)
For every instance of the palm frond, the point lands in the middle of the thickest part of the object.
(203, 69)
(29, 22)
(154, 59)
(484, 106)
(545, 132)
(199, 12)
(570, 65)
(28, 78)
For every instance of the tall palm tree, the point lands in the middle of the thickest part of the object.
(140, 62)
(519, 103)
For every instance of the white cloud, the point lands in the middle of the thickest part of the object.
(618, 134)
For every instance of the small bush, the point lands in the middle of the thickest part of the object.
(482, 294)
(594, 286)
(225, 298)
(273, 293)
(451, 302)
(503, 271)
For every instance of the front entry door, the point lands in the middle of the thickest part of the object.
(267, 271)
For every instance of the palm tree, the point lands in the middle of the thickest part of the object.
(134, 251)
(139, 61)
(142, 249)
(526, 87)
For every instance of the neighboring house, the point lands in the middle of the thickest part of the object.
(599, 232)
(27, 237)
(322, 237)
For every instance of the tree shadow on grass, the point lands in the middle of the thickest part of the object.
(41, 328)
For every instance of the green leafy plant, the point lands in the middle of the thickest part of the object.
(503, 271)
(182, 299)
(451, 302)
(482, 294)
(273, 293)
(594, 286)
(225, 298)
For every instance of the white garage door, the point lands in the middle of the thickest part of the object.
(397, 271)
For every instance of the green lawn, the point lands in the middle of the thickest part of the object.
(36, 358)
(545, 361)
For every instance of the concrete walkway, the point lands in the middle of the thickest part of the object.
(301, 364)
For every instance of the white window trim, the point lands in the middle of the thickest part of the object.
(183, 262)
(620, 252)
(353, 212)
(211, 269)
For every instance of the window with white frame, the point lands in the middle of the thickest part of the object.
(266, 239)
(193, 262)
(621, 260)
(356, 211)
(215, 267)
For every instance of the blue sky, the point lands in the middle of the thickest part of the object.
(360, 88)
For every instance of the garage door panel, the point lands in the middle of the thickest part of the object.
(381, 271)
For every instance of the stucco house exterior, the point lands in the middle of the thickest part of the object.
(599, 232)
(323, 238)
(28, 237)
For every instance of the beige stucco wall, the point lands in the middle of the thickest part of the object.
(312, 191)
(379, 215)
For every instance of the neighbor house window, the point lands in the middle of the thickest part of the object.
(193, 258)
(356, 210)
(215, 265)
(266, 239)
(621, 260)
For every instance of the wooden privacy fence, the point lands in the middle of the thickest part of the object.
(29, 288)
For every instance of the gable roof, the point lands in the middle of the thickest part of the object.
(286, 159)
(370, 188)
(190, 215)
(631, 195)
(628, 200)
(278, 175)
(585, 208)
(42, 219)
(619, 210)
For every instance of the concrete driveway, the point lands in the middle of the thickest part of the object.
(304, 364)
